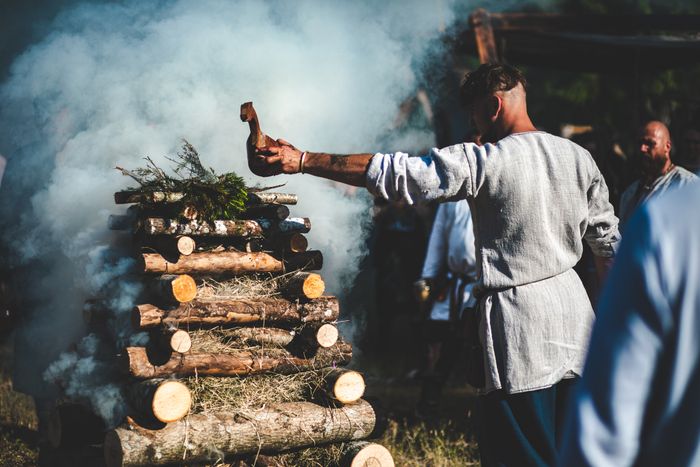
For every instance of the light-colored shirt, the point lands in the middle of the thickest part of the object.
(451, 249)
(533, 197)
(635, 194)
(638, 401)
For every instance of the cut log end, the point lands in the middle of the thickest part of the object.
(180, 341)
(365, 454)
(171, 401)
(185, 245)
(313, 286)
(327, 335)
(184, 289)
(349, 387)
(298, 243)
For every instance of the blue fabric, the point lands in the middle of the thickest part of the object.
(639, 399)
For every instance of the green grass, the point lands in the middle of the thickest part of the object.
(418, 444)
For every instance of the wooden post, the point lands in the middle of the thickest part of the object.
(480, 22)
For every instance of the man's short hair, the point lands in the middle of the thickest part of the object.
(488, 79)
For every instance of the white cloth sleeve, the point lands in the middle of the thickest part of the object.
(446, 173)
(436, 256)
(602, 233)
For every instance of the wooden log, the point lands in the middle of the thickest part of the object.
(268, 197)
(137, 196)
(217, 228)
(306, 261)
(287, 243)
(287, 226)
(304, 285)
(170, 339)
(276, 212)
(170, 246)
(160, 399)
(234, 363)
(366, 454)
(171, 288)
(266, 337)
(324, 336)
(344, 386)
(73, 425)
(231, 262)
(218, 312)
(274, 428)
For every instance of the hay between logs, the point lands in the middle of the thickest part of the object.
(228, 394)
(240, 287)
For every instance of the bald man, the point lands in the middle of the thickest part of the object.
(534, 198)
(658, 172)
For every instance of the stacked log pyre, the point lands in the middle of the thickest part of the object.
(235, 314)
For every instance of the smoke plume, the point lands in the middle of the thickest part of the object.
(110, 83)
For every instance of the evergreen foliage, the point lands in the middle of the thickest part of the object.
(212, 196)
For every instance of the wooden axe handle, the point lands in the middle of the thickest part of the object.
(249, 115)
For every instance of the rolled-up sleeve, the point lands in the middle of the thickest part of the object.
(446, 173)
(602, 233)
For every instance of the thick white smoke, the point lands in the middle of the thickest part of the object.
(112, 83)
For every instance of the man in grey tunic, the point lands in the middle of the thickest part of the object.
(533, 198)
(658, 172)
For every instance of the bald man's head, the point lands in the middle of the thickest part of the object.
(655, 148)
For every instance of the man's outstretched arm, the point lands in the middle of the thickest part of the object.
(285, 158)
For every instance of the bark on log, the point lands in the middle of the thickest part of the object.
(217, 312)
(160, 399)
(217, 228)
(306, 261)
(241, 362)
(268, 197)
(344, 386)
(266, 337)
(304, 285)
(276, 427)
(287, 226)
(276, 212)
(232, 262)
(172, 288)
(366, 454)
(254, 198)
(137, 196)
(73, 425)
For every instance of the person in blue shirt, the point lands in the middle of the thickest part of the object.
(638, 402)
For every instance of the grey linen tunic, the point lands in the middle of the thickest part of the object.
(635, 195)
(534, 197)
